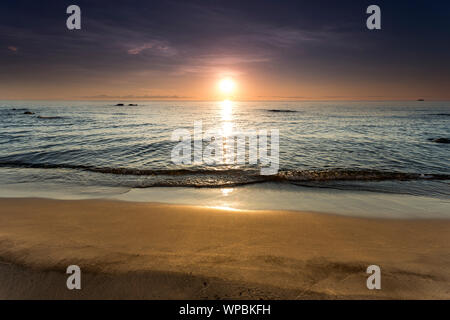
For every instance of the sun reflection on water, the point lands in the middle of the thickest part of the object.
(226, 110)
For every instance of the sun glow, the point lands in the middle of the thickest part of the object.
(227, 86)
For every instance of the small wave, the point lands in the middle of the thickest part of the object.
(234, 177)
(281, 110)
(440, 114)
(49, 117)
(354, 175)
(119, 171)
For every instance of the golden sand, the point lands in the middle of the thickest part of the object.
(155, 251)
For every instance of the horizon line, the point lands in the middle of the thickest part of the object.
(237, 100)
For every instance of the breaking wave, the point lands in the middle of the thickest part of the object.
(143, 178)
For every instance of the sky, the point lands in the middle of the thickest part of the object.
(272, 50)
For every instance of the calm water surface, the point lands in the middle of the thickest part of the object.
(372, 146)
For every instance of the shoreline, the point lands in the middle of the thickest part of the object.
(267, 196)
(160, 251)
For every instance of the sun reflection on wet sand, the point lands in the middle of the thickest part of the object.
(226, 191)
(226, 208)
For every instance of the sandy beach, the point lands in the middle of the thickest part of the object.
(132, 250)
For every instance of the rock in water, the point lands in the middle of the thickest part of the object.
(281, 110)
(440, 140)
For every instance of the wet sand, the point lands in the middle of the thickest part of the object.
(129, 250)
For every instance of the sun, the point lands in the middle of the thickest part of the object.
(227, 85)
